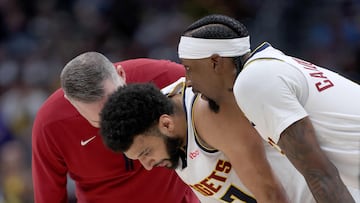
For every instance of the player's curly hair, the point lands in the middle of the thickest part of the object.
(218, 27)
(132, 110)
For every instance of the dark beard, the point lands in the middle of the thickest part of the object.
(173, 147)
(213, 106)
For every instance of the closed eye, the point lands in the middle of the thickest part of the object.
(145, 153)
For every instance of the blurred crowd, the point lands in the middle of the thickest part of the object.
(38, 37)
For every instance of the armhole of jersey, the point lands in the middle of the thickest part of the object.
(261, 47)
(265, 58)
(196, 136)
(178, 89)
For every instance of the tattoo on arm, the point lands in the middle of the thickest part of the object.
(299, 143)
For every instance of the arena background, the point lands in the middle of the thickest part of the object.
(38, 37)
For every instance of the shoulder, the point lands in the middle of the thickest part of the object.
(266, 71)
(149, 64)
(55, 108)
(160, 72)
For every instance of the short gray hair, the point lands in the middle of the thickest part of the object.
(83, 77)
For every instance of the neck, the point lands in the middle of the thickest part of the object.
(245, 57)
(230, 80)
(180, 118)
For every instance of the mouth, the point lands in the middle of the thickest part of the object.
(201, 95)
(195, 91)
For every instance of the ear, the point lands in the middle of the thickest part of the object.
(121, 72)
(166, 124)
(216, 61)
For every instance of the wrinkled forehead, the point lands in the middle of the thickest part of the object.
(136, 148)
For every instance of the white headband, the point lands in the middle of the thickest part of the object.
(198, 48)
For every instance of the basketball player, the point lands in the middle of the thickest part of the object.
(309, 113)
(66, 140)
(207, 150)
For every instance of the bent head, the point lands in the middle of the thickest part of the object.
(87, 81)
(155, 149)
(212, 50)
(137, 120)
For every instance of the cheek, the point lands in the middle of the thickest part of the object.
(163, 151)
(195, 78)
(200, 84)
(200, 76)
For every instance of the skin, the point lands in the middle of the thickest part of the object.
(150, 151)
(249, 160)
(91, 111)
(298, 141)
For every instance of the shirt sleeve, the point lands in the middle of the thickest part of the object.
(271, 93)
(48, 169)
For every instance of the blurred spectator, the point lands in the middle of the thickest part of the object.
(37, 38)
(15, 175)
(5, 134)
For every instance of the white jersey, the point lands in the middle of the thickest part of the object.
(275, 90)
(210, 174)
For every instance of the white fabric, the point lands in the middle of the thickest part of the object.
(202, 165)
(198, 48)
(275, 90)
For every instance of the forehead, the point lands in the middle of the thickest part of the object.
(140, 143)
(195, 61)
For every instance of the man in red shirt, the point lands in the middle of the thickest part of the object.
(66, 140)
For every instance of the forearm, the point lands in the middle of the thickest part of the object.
(256, 173)
(327, 186)
(299, 144)
(261, 181)
(272, 194)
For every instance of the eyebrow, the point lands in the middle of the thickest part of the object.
(142, 152)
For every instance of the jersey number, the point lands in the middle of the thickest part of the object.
(233, 193)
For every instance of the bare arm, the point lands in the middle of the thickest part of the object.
(299, 144)
(246, 152)
(230, 132)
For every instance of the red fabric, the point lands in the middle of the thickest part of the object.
(100, 175)
(160, 72)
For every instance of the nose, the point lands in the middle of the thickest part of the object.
(147, 163)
